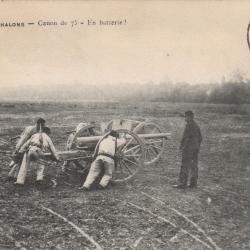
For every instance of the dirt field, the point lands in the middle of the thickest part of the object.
(146, 213)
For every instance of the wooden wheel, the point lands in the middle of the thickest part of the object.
(88, 130)
(128, 157)
(154, 148)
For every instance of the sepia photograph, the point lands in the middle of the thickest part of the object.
(125, 125)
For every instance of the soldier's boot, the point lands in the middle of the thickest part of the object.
(194, 174)
(193, 183)
(183, 177)
(40, 173)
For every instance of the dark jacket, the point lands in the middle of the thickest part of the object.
(191, 138)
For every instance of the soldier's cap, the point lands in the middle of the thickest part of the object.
(113, 133)
(189, 113)
(40, 120)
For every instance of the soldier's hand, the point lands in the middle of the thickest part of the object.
(57, 157)
(180, 150)
(14, 153)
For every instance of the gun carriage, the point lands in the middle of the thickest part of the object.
(144, 145)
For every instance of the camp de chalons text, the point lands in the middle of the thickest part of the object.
(54, 23)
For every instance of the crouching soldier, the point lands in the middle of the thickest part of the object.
(70, 140)
(34, 149)
(17, 155)
(104, 159)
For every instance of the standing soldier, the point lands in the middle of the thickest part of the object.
(190, 146)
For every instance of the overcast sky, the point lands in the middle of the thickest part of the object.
(195, 42)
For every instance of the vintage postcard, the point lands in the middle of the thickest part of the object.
(125, 125)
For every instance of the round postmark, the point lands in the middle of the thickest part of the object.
(248, 35)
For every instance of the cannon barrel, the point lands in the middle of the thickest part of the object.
(93, 139)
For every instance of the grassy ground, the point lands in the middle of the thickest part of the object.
(126, 216)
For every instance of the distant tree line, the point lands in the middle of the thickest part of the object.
(235, 90)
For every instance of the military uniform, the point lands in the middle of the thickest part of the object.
(25, 136)
(105, 153)
(190, 146)
(34, 149)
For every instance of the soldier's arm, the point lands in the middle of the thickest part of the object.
(121, 142)
(52, 148)
(182, 142)
(184, 137)
(25, 146)
(27, 133)
(21, 141)
(200, 136)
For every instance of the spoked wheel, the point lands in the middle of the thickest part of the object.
(129, 156)
(154, 148)
(88, 130)
(81, 163)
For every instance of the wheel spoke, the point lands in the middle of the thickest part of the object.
(135, 147)
(144, 156)
(125, 165)
(150, 155)
(127, 144)
(156, 150)
(134, 163)
(152, 142)
(135, 155)
(120, 167)
(156, 147)
(138, 150)
(153, 152)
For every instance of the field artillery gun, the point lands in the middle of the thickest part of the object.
(154, 147)
(144, 146)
